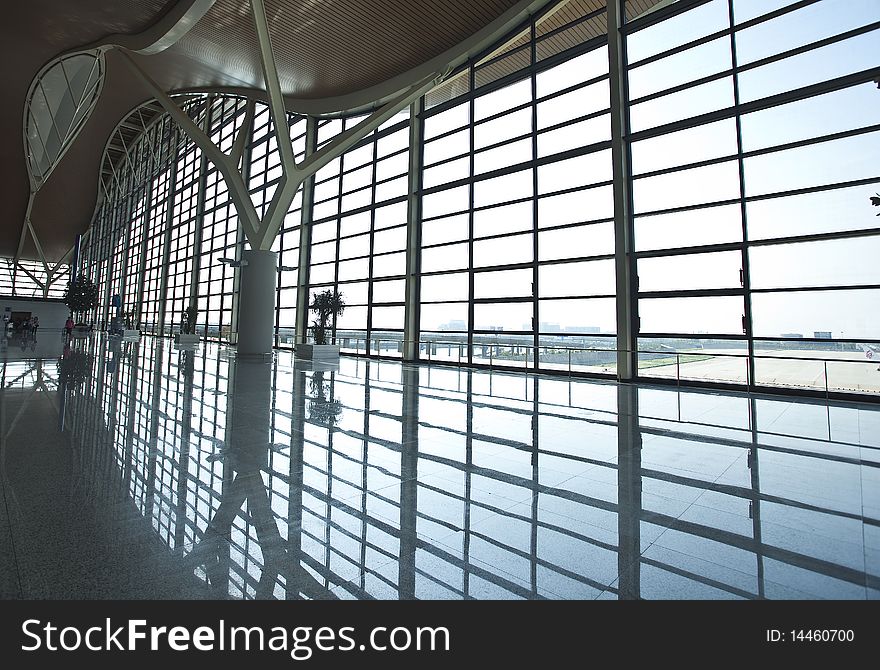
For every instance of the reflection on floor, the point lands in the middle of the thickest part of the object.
(138, 470)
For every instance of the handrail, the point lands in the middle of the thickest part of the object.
(528, 357)
(708, 352)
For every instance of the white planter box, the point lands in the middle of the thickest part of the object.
(318, 352)
(187, 338)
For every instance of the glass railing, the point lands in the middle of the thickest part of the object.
(836, 372)
(831, 372)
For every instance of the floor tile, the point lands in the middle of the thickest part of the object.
(208, 482)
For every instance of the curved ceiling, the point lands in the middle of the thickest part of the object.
(332, 56)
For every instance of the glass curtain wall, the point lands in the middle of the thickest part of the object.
(220, 232)
(124, 250)
(263, 172)
(752, 131)
(184, 222)
(517, 209)
(19, 280)
(359, 234)
(754, 139)
(166, 227)
(161, 181)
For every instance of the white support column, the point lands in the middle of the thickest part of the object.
(50, 278)
(25, 227)
(294, 175)
(54, 274)
(261, 233)
(256, 322)
(624, 262)
(37, 244)
(236, 153)
(413, 236)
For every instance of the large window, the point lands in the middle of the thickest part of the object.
(359, 235)
(185, 220)
(750, 136)
(29, 279)
(157, 222)
(517, 215)
(753, 134)
(167, 229)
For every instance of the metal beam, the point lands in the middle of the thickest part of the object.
(238, 145)
(65, 257)
(24, 225)
(29, 274)
(238, 191)
(162, 296)
(624, 259)
(273, 89)
(261, 232)
(412, 300)
(200, 219)
(305, 241)
(288, 187)
(37, 244)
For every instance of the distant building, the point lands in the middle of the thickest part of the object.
(454, 325)
(822, 334)
(793, 336)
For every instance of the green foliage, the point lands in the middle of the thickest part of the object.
(325, 305)
(81, 295)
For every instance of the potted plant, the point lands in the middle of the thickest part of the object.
(188, 334)
(81, 297)
(327, 305)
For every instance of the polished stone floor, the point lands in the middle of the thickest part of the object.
(139, 470)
